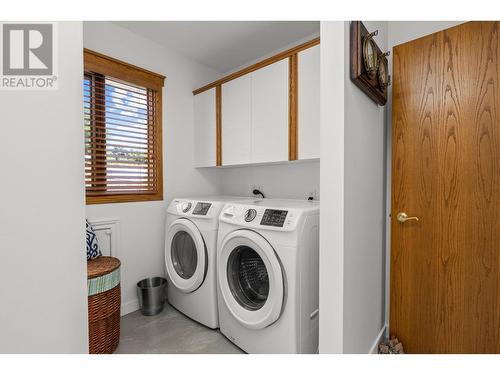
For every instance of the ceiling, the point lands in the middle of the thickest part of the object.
(223, 45)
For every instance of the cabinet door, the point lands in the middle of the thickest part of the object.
(236, 121)
(308, 103)
(205, 129)
(270, 113)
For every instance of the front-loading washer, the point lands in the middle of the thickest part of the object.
(268, 283)
(190, 256)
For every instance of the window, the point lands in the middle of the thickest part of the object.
(122, 120)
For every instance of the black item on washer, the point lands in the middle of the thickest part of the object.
(258, 192)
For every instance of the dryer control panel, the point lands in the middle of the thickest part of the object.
(274, 218)
(201, 208)
(194, 208)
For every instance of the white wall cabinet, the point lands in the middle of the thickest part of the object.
(205, 142)
(255, 115)
(236, 121)
(270, 113)
(308, 103)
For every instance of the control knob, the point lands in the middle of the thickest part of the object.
(186, 206)
(250, 215)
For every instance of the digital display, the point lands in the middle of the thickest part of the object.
(274, 218)
(201, 208)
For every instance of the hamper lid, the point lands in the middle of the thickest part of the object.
(101, 266)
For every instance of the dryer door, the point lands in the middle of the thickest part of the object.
(250, 279)
(185, 255)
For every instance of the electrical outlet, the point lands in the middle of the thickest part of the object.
(314, 194)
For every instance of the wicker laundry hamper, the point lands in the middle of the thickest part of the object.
(103, 282)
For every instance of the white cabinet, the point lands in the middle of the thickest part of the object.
(270, 113)
(236, 121)
(205, 142)
(308, 103)
(254, 113)
(255, 116)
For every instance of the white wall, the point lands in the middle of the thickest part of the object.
(331, 257)
(43, 269)
(401, 32)
(352, 212)
(296, 180)
(142, 224)
(364, 210)
(273, 53)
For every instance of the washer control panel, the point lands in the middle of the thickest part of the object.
(274, 218)
(201, 208)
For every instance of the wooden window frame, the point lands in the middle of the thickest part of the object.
(97, 63)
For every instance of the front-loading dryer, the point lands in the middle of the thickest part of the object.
(190, 256)
(268, 283)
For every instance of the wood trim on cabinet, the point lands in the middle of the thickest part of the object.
(259, 65)
(218, 124)
(292, 106)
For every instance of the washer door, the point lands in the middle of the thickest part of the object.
(250, 279)
(185, 255)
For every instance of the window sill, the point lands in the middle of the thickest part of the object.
(123, 198)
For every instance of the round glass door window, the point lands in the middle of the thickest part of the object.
(184, 254)
(248, 278)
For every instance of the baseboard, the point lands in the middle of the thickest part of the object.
(380, 336)
(130, 306)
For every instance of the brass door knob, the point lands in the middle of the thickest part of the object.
(403, 217)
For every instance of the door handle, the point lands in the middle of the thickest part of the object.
(402, 217)
(314, 314)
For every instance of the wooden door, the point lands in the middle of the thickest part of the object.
(445, 293)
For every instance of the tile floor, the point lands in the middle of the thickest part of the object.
(170, 332)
